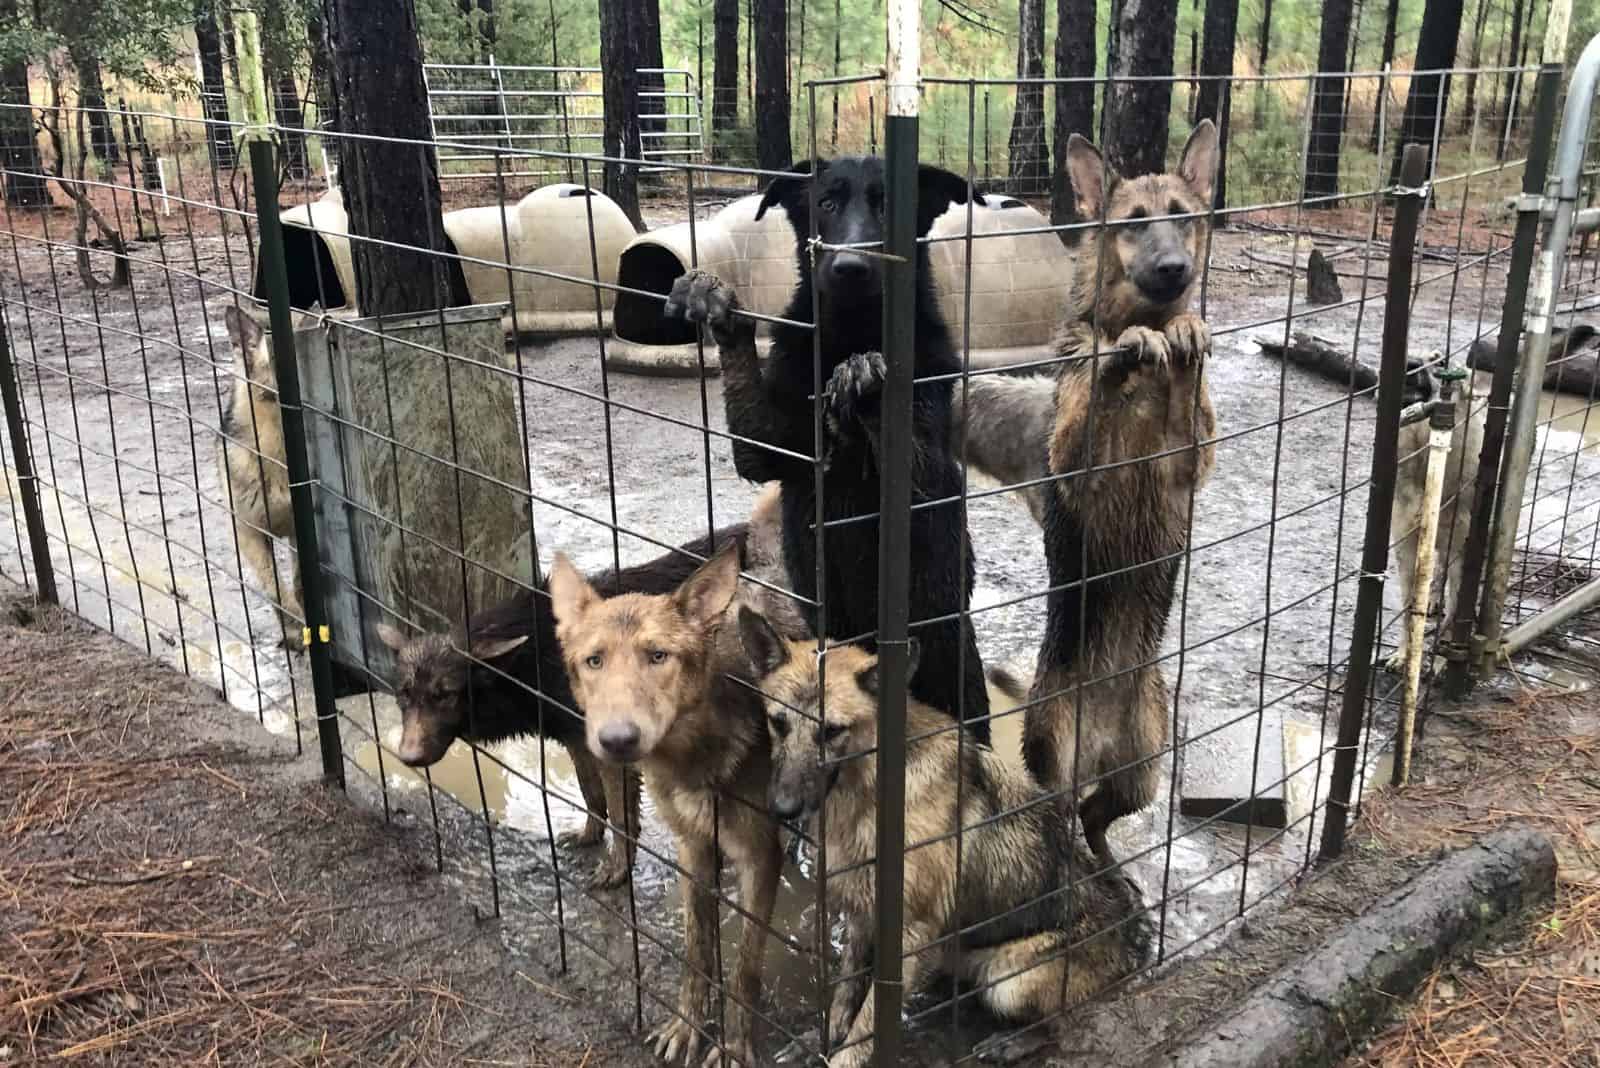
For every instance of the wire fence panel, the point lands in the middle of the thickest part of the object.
(1144, 453)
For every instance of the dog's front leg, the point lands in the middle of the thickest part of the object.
(678, 1040)
(758, 889)
(854, 978)
(915, 974)
(1190, 418)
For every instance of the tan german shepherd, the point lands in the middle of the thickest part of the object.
(1044, 946)
(254, 473)
(1126, 427)
(658, 681)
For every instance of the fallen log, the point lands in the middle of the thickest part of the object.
(1567, 370)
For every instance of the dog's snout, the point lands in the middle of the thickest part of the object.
(620, 740)
(785, 806)
(850, 268)
(1173, 269)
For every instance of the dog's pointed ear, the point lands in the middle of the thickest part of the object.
(570, 593)
(937, 189)
(391, 637)
(1198, 164)
(1090, 176)
(706, 594)
(494, 648)
(789, 189)
(763, 645)
(867, 677)
(243, 330)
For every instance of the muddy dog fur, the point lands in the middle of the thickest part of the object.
(478, 685)
(771, 408)
(250, 462)
(663, 683)
(1129, 402)
(1032, 948)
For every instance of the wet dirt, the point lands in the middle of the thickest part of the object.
(122, 391)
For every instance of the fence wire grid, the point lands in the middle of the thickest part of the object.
(455, 451)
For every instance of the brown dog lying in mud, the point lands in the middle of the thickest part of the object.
(662, 683)
(1042, 947)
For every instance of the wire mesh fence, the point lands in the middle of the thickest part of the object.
(1138, 547)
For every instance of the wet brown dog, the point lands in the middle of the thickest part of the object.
(1042, 946)
(663, 683)
(1126, 427)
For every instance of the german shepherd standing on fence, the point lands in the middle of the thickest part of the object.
(663, 683)
(1130, 401)
(251, 463)
(1007, 923)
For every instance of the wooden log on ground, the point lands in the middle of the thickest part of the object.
(1569, 369)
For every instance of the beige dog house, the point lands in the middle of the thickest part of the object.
(550, 261)
(1021, 281)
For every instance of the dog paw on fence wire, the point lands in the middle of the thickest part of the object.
(1188, 339)
(701, 297)
(853, 398)
(676, 1041)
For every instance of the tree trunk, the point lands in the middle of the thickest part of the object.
(321, 89)
(1327, 105)
(1429, 95)
(773, 151)
(1137, 112)
(278, 56)
(650, 57)
(1350, 65)
(488, 31)
(619, 66)
(1216, 69)
(1514, 89)
(92, 98)
(1390, 15)
(1470, 111)
(724, 68)
(213, 87)
(391, 189)
(19, 142)
(1028, 151)
(1075, 56)
(1263, 43)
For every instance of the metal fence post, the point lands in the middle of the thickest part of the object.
(1410, 196)
(276, 283)
(894, 517)
(1559, 207)
(1465, 646)
(27, 482)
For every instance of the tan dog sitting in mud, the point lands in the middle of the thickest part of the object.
(1042, 948)
(255, 477)
(1127, 429)
(652, 677)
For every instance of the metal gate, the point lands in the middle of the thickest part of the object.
(479, 111)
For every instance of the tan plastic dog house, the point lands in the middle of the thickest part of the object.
(547, 231)
(1021, 281)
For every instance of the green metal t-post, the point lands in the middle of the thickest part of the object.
(894, 518)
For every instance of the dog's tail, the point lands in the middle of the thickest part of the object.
(1008, 682)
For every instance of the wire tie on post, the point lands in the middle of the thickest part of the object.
(1381, 576)
(1423, 190)
(816, 243)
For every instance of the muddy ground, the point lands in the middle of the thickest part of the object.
(122, 396)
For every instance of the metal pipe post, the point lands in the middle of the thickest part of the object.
(44, 574)
(1465, 647)
(894, 517)
(1559, 206)
(1411, 196)
(276, 281)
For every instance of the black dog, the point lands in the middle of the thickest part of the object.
(771, 409)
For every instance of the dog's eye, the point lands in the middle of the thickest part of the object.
(593, 661)
(658, 656)
(780, 725)
(826, 205)
(832, 731)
